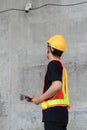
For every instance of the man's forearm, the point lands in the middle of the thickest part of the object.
(53, 89)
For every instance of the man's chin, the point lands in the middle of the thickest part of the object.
(47, 57)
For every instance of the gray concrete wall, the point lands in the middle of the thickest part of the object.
(23, 61)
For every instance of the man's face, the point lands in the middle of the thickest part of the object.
(47, 52)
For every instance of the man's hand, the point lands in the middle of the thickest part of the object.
(36, 100)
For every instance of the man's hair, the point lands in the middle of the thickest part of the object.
(55, 52)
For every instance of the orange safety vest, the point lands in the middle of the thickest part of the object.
(61, 98)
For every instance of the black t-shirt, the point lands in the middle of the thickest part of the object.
(58, 113)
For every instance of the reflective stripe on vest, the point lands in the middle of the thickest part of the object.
(59, 100)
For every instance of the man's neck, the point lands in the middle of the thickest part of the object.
(51, 58)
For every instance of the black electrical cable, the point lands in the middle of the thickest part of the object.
(59, 5)
(49, 4)
(11, 10)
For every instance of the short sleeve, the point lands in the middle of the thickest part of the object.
(54, 71)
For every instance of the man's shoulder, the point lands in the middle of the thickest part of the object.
(54, 63)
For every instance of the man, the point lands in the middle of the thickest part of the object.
(54, 98)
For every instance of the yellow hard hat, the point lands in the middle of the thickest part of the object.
(57, 42)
